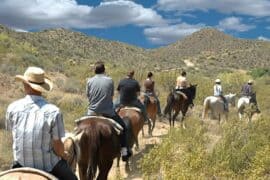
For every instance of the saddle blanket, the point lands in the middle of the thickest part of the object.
(118, 128)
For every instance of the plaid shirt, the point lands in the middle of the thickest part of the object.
(34, 124)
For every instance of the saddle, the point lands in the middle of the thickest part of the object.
(26, 173)
(131, 108)
(118, 128)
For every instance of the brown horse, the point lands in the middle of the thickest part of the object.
(26, 173)
(151, 108)
(179, 101)
(98, 143)
(133, 118)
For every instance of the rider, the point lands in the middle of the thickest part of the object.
(149, 85)
(219, 93)
(247, 89)
(181, 81)
(100, 91)
(129, 90)
(37, 128)
(182, 84)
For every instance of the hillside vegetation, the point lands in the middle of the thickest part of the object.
(242, 149)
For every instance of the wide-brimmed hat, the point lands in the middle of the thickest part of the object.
(217, 81)
(35, 77)
(250, 81)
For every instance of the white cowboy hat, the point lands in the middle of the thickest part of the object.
(36, 79)
(250, 81)
(217, 80)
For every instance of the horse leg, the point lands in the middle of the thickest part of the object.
(170, 118)
(182, 120)
(118, 161)
(174, 116)
(137, 144)
(104, 168)
(154, 124)
(149, 127)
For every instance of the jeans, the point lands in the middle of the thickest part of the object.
(124, 135)
(61, 170)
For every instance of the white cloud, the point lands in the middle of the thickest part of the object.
(235, 24)
(169, 34)
(262, 38)
(32, 14)
(258, 8)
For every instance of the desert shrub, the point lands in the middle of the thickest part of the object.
(239, 154)
(72, 86)
(259, 72)
(5, 149)
(260, 166)
(179, 156)
(72, 107)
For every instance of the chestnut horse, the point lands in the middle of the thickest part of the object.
(151, 108)
(133, 118)
(26, 173)
(179, 101)
(98, 144)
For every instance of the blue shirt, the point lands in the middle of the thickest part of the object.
(100, 90)
(34, 124)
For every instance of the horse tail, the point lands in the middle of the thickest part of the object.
(168, 106)
(93, 142)
(206, 105)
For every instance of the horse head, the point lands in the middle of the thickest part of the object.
(231, 98)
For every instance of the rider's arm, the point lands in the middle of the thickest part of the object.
(58, 132)
(58, 148)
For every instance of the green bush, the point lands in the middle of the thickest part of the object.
(259, 72)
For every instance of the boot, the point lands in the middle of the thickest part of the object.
(125, 153)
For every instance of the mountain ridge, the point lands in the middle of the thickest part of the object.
(206, 49)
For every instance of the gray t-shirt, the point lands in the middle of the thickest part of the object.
(99, 91)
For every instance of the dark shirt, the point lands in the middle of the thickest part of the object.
(247, 90)
(128, 89)
(149, 85)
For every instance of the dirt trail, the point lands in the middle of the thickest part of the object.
(145, 143)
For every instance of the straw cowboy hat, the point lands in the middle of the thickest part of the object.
(218, 81)
(36, 79)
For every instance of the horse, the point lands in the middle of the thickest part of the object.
(133, 118)
(151, 108)
(26, 173)
(247, 105)
(216, 105)
(98, 144)
(179, 101)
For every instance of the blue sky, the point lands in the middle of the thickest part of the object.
(144, 23)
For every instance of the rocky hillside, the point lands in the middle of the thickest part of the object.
(211, 49)
(205, 50)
